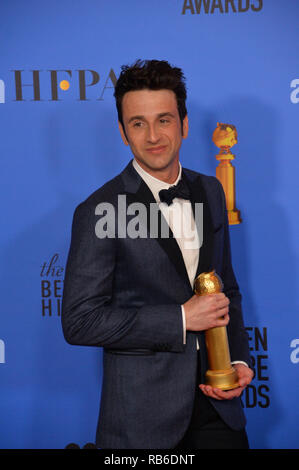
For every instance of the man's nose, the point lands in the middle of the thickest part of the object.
(153, 135)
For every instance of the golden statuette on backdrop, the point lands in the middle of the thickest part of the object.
(224, 137)
(220, 374)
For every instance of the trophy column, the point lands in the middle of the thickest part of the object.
(221, 374)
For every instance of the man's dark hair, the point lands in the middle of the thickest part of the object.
(151, 75)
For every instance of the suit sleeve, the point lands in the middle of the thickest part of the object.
(237, 335)
(88, 314)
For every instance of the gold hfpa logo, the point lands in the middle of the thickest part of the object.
(50, 85)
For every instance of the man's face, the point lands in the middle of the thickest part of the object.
(153, 130)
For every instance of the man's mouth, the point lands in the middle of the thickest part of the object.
(156, 150)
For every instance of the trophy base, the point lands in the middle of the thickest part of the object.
(234, 217)
(222, 379)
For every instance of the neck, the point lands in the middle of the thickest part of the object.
(167, 175)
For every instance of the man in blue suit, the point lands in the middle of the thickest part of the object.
(129, 287)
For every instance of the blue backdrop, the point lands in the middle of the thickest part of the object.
(59, 142)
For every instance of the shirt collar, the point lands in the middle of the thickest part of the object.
(154, 184)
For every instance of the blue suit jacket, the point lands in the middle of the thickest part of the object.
(126, 294)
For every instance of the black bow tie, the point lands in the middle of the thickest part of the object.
(180, 190)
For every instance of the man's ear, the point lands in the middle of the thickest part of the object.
(185, 127)
(122, 133)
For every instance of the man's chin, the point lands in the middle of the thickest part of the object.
(156, 164)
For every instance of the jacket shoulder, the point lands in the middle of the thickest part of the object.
(106, 193)
(209, 182)
(213, 190)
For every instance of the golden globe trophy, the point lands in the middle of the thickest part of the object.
(224, 137)
(220, 374)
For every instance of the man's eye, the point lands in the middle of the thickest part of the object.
(137, 124)
(164, 121)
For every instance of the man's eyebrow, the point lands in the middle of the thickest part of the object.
(141, 118)
(168, 113)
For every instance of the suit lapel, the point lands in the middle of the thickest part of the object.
(137, 191)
